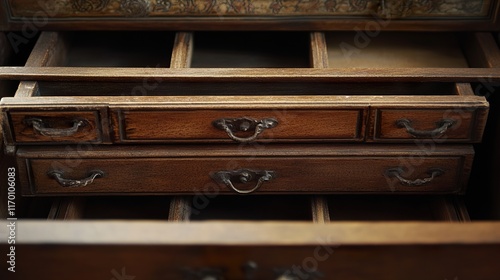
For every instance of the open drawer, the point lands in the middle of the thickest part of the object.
(301, 241)
(74, 101)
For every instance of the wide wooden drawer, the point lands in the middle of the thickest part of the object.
(251, 169)
(136, 125)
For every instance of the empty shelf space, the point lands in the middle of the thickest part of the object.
(126, 207)
(118, 49)
(250, 50)
(255, 208)
(394, 208)
(394, 50)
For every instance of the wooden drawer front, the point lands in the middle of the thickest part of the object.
(192, 125)
(441, 125)
(55, 127)
(272, 170)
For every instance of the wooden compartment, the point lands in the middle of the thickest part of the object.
(251, 208)
(117, 49)
(250, 50)
(394, 50)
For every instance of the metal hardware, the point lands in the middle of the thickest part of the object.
(39, 126)
(243, 176)
(204, 273)
(232, 126)
(396, 172)
(442, 127)
(249, 270)
(288, 274)
(69, 183)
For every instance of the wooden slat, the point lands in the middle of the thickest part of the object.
(67, 209)
(320, 210)
(248, 74)
(319, 54)
(183, 50)
(49, 50)
(180, 209)
(482, 50)
(252, 233)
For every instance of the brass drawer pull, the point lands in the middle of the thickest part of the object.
(396, 172)
(442, 127)
(69, 183)
(244, 176)
(232, 126)
(39, 126)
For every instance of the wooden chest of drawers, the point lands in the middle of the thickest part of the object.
(350, 151)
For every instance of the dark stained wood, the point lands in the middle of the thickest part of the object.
(305, 125)
(67, 209)
(293, 15)
(312, 169)
(24, 133)
(427, 120)
(482, 50)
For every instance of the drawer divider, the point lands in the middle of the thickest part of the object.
(180, 209)
(183, 50)
(320, 211)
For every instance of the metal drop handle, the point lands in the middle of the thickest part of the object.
(244, 176)
(441, 129)
(39, 126)
(231, 126)
(396, 172)
(70, 183)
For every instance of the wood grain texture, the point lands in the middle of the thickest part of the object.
(180, 209)
(313, 169)
(183, 50)
(320, 209)
(153, 250)
(248, 74)
(49, 50)
(146, 125)
(482, 50)
(425, 120)
(24, 133)
(67, 209)
(319, 54)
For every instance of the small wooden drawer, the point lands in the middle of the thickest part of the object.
(55, 127)
(252, 169)
(135, 125)
(439, 125)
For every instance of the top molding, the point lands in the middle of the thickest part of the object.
(249, 14)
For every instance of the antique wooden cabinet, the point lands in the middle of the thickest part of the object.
(324, 151)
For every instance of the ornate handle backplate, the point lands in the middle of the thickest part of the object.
(442, 127)
(243, 176)
(70, 183)
(397, 173)
(41, 127)
(232, 126)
